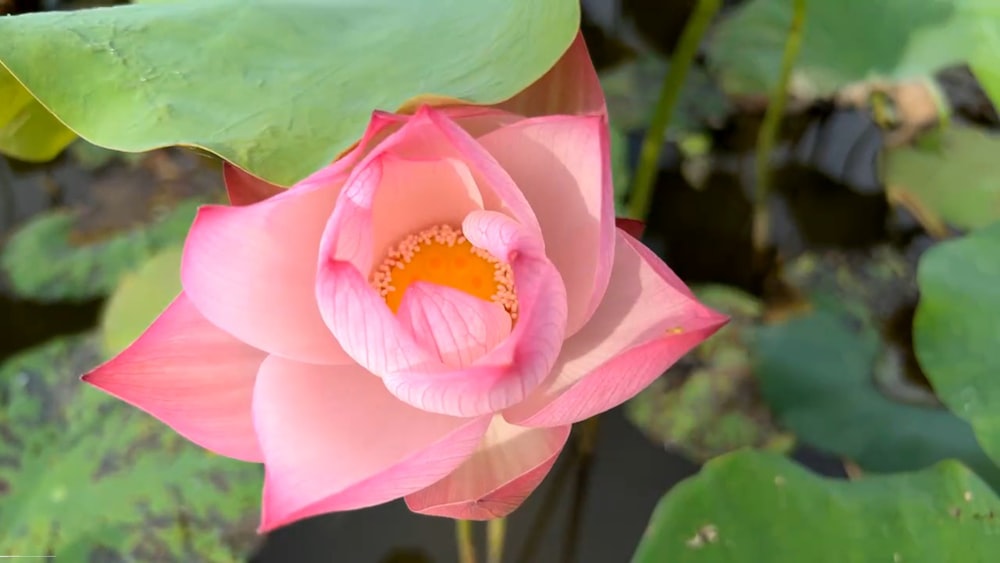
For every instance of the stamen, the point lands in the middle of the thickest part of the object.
(442, 255)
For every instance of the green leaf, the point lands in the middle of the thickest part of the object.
(27, 130)
(709, 403)
(278, 87)
(816, 372)
(754, 507)
(956, 181)
(44, 263)
(849, 41)
(956, 327)
(140, 297)
(89, 478)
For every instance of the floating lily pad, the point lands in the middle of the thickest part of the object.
(43, 264)
(817, 373)
(754, 507)
(957, 329)
(850, 41)
(140, 297)
(279, 88)
(130, 212)
(952, 181)
(708, 403)
(86, 477)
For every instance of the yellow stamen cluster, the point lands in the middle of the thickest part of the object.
(442, 255)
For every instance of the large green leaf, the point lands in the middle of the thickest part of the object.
(848, 41)
(755, 507)
(953, 180)
(956, 329)
(816, 372)
(279, 87)
(89, 478)
(27, 130)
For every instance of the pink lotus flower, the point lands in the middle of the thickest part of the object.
(425, 318)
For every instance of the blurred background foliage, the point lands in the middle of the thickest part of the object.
(863, 343)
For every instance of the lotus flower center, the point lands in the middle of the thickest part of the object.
(441, 255)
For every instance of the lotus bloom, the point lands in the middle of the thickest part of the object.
(423, 319)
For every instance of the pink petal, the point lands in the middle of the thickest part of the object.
(478, 120)
(509, 464)
(414, 195)
(459, 327)
(252, 271)
(431, 134)
(193, 377)
(647, 321)
(334, 439)
(571, 87)
(245, 188)
(562, 166)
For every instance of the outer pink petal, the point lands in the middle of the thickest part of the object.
(244, 188)
(252, 271)
(570, 87)
(334, 439)
(508, 465)
(459, 327)
(562, 166)
(647, 321)
(192, 376)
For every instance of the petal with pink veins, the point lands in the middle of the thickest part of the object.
(252, 271)
(562, 166)
(647, 321)
(334, 439)
(459, 327)
(509, 464)
(193, 377)
(571, 87)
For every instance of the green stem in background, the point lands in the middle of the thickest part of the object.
(641, 193)
(543, 517)
(496, 532)
(466, 544)
(587, 441)
(769, 129)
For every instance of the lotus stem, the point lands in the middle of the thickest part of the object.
(466, 544)
(587, 440)
(769, 129)
(496, 532)
(641, 192)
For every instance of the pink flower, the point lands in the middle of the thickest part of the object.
(425, 318)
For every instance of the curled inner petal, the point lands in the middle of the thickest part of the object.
(441, 255)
